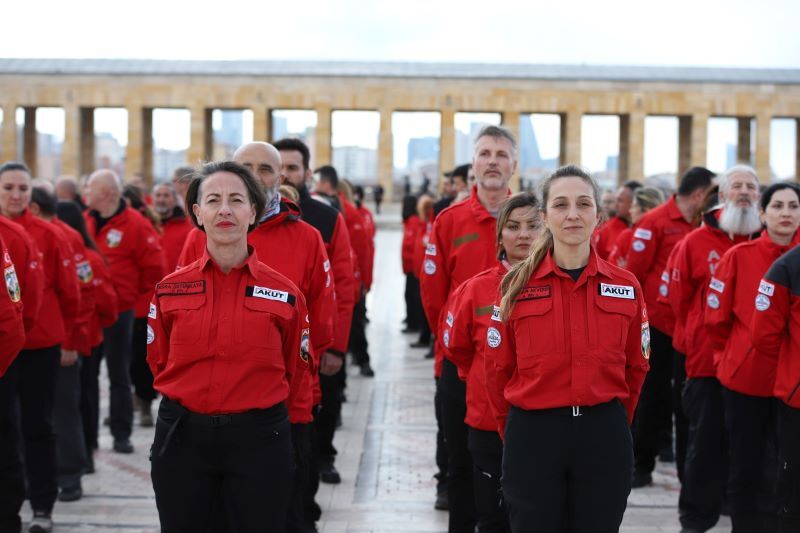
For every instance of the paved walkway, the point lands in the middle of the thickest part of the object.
(386, 445)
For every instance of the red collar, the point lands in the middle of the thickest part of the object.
(548, 266)
(251, 264)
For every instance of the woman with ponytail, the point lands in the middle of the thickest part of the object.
(564, 368)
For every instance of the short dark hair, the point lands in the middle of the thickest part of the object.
(70, 213)
(290, 144)
(255, 191)
(695, 178)
(8, 166)
(462, 171)
(769, 192)
(328, 173)
(45, 200)
(632, 185)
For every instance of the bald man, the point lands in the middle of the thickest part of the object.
(67, 190)
(136, 262)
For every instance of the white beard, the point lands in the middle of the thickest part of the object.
(739, 220)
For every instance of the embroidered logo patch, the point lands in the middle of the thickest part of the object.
(152, 312)
(638, 246)
(12, 284)
(446, 338)
(642, 233)
(430, 267)
(113, 238)
(663, 290)
(496, 314)
(151, 335)
(493, 337)
(326, 265)
(766, 288)
(305, 344)
(535, 293)
(449, 319)
(717, 285)
(762, 302)
(430, 249)
(624, 292)
(85, 273)
(181, 288)
(712, 301)
(646, 340)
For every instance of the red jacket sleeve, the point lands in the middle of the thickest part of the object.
(344, 284)
(31, 280)
(78, 337)
(500, 364)
(66, 283)
(770, 327)
(158, 341)
(152, 263)
(681, 287)
(105, 297)
(637, 352)
(719, 319)
(12, 329)
(407, 248)
(457, 329)
(296, 337)
(434, 277)
(321, 299)
(639, 259)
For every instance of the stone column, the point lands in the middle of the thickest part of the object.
(202, 139)
(570, 152)
(29, 149)
(322, 136)
(631, 148)
(511, 122)
(684, 146)
(797, 150)
(763, 130)
(447, 141)
(743, 154)
(72, 149)
(139, 152)
(9, 132)
(699, 140)
(261, 124)
(87, 145)
(386, 154)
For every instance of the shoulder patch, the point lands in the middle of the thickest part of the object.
(449, 319)
(762, 302)
(493, 338)
(269, 294)
(642, 233)
(430, 267)
(535, 293)
(181, 288)
(717, 285)
(430, 249)
(326, 265)
(766, 288)
(712, 301)
(638, 245)
(496, 314)
(85, 273)
(12, 284)
(152, 312)
(113, 238)
(624, 292)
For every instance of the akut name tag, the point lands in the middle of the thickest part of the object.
(617, 291)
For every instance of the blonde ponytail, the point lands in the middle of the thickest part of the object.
(518, 277)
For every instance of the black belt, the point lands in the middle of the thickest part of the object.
(576, 410)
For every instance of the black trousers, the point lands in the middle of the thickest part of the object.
(789, 471)
(296, 519)
(244, 459)
(117, 353)
(424, 328)
(486, 448)
(12, 474)
(90, 397)
(311, 508)
(412, 298)
(141, 375)
(567, 473)
(459, 461)
(70, 441)
(357, 345)
(329, 411)
(681, 421)
(706, 469)
(441, 445)
(653, 413)
(752, 439)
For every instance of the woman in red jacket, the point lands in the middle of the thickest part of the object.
(470, 313)
(228, 344)
(644, 199)
(564, 371)
(746, 372)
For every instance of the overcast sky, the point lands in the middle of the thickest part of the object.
(730, 33)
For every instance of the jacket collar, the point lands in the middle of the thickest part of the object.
(251, 263)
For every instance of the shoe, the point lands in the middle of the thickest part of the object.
(123, 446)
(429, 355)
(146, 416)
(641, 479)
(89, 465)
(41, 522)
(107, 421)
(409, 330)
(419, 344)
(70, 495)
(442, 501)
(690, 530)
(328, 473)
(366, 371)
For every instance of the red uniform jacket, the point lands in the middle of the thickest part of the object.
(131, 245)
(656, 233)
(619, 252)
(227, 343)
(175, 230)
(12, 327)
(308, 268)
(741, 365)
(669, 280)
(78, 333)
(568, 343)
(61, 282)
(28, 267)
(607, 235)
(694, 267)
(462, 244)
(422, 238)
(359, 240)
(410, 228)
(370, 229)
(776, 323)
(105, 299)
(471, 311)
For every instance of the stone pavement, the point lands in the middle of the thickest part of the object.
(386, 444)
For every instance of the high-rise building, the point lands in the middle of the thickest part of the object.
(421, 151)
(357, 164)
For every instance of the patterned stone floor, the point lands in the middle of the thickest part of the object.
(386, 445)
